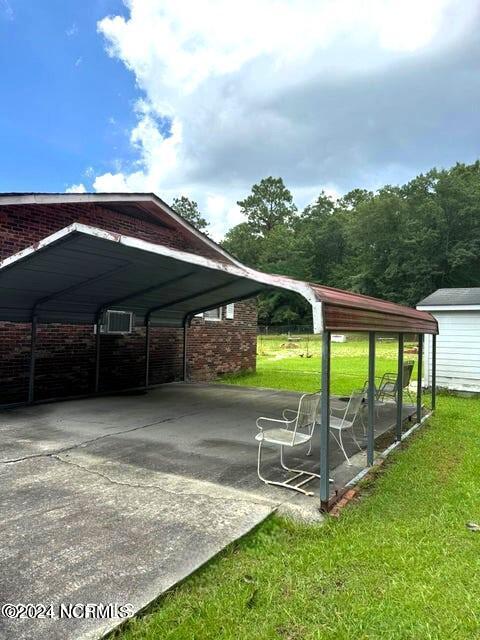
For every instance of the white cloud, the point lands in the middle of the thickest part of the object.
(7, 9)
(72, 30)
(247, 87)
(76, 188)
(222, 214)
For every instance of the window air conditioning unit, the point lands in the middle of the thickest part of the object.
(117, 322)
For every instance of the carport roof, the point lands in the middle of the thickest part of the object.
(77, 272)
(73, 274)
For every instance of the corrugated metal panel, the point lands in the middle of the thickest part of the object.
(351, 300)
(362, 319)
(75, 273)
(71, 279)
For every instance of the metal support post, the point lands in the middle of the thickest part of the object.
(419, 376)
(325, 423)
(97, 351)
(400, 387)
(434, 371)
(185, 337)
(31, 374)
(371, 398)
(147, 352)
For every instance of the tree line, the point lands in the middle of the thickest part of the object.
(399, 243)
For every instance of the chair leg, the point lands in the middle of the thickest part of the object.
(284, 466)
(362, 420)
(409, 394)
(302, 476)
(355, 439)
(339, 441)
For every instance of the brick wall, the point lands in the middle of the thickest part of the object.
(65, 356)
(22, 225)
(14, 356)
(214, 348)
(65, 363)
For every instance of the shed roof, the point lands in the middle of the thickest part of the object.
(452, 297)
(75, 273)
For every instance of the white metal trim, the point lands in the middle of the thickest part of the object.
(450, 307)
(317, 314)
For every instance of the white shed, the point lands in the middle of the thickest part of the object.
(458, 343)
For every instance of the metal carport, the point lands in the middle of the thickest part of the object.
(75, 274)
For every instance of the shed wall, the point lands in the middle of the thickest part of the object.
(458, 351)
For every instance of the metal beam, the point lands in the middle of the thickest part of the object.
(186, 322)
(399, 423)
(229, 301)
(154, 287)
(371, 398)
(419, 376)
(325, 423)
(31, 373)
(434, 371)
(147, 353)
(79, 285)
(191, 296)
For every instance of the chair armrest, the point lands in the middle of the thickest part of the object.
(276, 420)
(387, 378)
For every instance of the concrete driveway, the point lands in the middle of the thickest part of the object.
(115, 499)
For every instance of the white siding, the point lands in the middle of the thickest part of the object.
(458, 350)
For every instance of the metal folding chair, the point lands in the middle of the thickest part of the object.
(347, 421)
(388, 387)
(293, 432)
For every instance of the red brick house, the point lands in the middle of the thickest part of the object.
(219, 341)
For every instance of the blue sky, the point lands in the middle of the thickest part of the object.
(66, 106)
(205, 98)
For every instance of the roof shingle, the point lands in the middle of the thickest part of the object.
(450, 297)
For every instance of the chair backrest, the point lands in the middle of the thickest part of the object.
(353, 406)
(407, 372)
(306, 414)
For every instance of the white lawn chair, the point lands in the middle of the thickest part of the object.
(347, 421)
(291, 433)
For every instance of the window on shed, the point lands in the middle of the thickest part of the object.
(230, 311)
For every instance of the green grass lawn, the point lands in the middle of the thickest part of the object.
(283, 368)
(398, 563)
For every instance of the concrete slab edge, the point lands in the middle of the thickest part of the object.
(109, 629)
